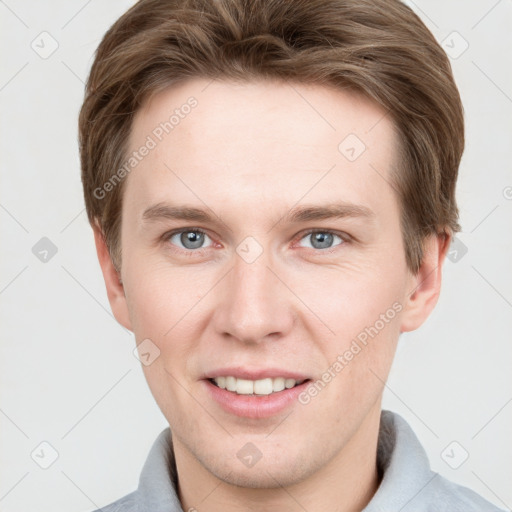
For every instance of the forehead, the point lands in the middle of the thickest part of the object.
(258, 143)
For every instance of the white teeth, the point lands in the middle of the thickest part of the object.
(289, 383)
(278, 384)
(230, 383)
(263, 387)
(256, 387)
(244, 387)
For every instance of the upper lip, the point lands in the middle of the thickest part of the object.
(253, 374)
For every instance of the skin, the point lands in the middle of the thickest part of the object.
(252, 152)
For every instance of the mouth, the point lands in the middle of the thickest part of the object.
(260, 387)
(258, 399)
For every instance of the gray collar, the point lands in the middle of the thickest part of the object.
(407, 483)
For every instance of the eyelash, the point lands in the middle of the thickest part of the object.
(192, 252)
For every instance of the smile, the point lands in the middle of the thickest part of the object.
(265, 386)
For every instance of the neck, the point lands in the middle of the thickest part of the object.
(345, 484)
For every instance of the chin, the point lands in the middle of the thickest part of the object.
(262, 478)
(264, 474)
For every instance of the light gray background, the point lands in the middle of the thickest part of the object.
(68, 375)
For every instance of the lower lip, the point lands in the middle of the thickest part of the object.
(254, 406)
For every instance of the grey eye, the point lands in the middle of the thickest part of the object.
(322, 239)
(189, 239)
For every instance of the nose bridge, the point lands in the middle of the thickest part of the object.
(253, 304)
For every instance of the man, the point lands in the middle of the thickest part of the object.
(271, 186)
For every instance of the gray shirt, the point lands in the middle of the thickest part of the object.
(408, 484)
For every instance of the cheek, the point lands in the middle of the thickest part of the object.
(164, 305)
(348, 301)
(161, 303)
(362, 307)
(159, 297)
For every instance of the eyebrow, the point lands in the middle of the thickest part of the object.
(162, 211)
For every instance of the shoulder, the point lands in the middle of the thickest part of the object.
(128, 503)
(408, 483)
(156, 489)
(446, 496)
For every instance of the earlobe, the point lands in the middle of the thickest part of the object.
(113, 281)
(426, 284)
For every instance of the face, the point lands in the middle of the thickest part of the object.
(262, 250)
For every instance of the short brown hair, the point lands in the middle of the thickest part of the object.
(380, 48)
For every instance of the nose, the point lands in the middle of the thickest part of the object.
(253, 305)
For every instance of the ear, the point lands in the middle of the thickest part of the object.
(115, 289)
(425, 286)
